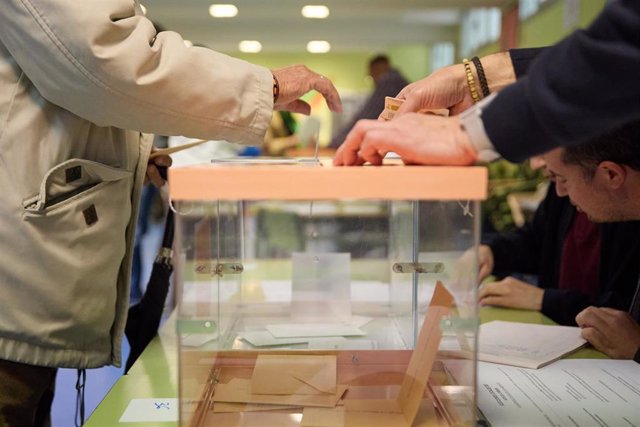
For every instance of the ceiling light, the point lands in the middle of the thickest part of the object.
(188, 43)
(250, 46)
(223, 10)
(318, 46)
(315, 11)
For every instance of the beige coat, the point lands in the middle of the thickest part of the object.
(73, 76)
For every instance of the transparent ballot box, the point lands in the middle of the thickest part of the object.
(313, 295)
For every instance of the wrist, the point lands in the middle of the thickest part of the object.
(464, 142)
(498, 70)
(276, 89)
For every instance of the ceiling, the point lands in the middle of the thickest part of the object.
(353, 25)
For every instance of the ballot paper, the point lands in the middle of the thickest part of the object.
(391, 106)
(294, 374)
(526, 344)
(567, 393)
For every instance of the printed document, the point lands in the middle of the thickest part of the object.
(569, 392)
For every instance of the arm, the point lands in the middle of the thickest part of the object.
(105, 63)
(576, 89)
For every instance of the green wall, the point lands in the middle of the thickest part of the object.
(348, 70)
(547, 27)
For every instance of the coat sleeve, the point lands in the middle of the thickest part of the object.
(104, 62)
(523, 58)
(575, 90)
(520, 251)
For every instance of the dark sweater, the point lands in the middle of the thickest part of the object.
(536, 249)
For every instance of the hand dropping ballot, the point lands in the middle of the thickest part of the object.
(391, 106)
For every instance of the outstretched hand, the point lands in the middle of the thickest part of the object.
(416, 138)
(295, 81)
(444, 88)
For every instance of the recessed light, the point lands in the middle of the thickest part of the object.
(318, 46)
(250, 46)
(223, 10)
(315, 11)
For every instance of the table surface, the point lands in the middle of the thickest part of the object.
(155, 375)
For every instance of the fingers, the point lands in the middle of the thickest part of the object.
(347, 154)
(298, 106)
(330, 93)
(594, 337)
(592, 317)
(295, 81)
(411, 104)
(154, 174)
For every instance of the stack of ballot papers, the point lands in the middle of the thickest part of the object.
(526, 344)
(316, 335)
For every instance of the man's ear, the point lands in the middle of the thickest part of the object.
(613, 174)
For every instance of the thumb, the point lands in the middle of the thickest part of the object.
(297, 106)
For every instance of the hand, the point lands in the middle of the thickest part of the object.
(153, 174)
(613, 332)
(512, 293)
(295, 81)
(444, 88)
(485, 262)
(447, 87)
(416, 138)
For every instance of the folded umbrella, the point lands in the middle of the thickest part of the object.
(144, 317)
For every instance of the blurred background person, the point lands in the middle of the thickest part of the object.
(388, 82)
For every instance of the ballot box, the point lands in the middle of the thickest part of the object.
(314, 295)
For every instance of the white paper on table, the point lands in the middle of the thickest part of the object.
(526, 344)
(145, 410)
(292, 330)
(197, 340)
(569, 392)
(340, 343)
(264, 338)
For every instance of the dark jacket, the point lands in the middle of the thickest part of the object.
(574, 91)
(536, 249)
(390, 84)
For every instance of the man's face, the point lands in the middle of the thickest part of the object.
(591, 196)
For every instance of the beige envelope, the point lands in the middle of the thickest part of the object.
(238, 390)
(294, 374)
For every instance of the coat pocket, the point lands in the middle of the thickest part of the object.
(78, 224)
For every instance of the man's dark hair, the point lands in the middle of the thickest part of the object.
(620, 146)
(379, 59)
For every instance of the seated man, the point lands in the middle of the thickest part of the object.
(578, 262)
(602, 178)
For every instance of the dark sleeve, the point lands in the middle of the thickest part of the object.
(522, 59)
(520, 251)
(563, 305)
(575, 90)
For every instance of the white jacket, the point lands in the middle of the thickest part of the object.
(73, 76)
